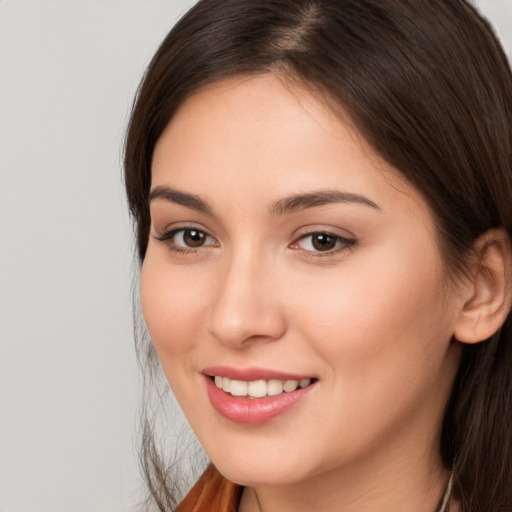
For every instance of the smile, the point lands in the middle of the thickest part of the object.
(256, 401)
(259, 388)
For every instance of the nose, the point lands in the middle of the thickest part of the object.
(248, 307)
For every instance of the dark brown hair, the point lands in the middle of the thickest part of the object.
(429, 87)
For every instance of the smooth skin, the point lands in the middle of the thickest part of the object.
(349, 290)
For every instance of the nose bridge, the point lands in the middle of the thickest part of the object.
(246, 306)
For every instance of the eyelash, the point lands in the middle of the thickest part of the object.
(169, 239)
(341, 243)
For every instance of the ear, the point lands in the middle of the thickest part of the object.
(487, 293)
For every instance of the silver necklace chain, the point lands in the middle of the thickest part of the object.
(444, 504)
(447, 494)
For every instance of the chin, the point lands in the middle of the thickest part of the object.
(261, 471)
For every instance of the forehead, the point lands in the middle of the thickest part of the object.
(270, 137)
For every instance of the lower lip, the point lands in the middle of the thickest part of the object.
(253, 411)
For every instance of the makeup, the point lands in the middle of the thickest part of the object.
(255, 396)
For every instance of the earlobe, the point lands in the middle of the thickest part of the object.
(488, 293)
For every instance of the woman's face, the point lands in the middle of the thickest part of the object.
(284, 253)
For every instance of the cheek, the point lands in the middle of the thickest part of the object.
(383, 337)
(172, 304)
(382, 309)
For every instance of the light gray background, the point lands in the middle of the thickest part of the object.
(68, 378)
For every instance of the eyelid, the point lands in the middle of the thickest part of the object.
(343, 243)
(169, 234)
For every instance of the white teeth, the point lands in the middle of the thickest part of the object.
(226, 384)
(275, 387)
(259, 388)
(290, 385)
(238, 388)
(304, 383)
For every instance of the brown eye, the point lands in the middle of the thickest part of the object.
(193, 238)
(184, 239)
(323, 241)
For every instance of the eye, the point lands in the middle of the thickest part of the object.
(190, 238)
(322, 242)
(184, 239)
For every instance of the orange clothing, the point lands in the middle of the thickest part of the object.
(212, 493)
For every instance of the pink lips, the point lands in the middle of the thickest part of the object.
(252, 411)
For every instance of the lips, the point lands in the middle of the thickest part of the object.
(255, 396)
(259, 388)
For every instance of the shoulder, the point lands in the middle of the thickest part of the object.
(212, 492)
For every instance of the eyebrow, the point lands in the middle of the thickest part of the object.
(182, 198)
(300, 202)
(294, 203)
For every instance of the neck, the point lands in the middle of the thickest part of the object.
(402, 485)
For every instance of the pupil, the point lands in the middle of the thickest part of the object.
(323, 242)
(193, 238)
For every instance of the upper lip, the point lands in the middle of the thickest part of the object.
(252, 374)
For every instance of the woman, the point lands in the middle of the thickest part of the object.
(321, 193)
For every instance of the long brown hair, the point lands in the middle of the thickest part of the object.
(429, 87)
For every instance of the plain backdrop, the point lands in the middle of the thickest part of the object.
(68, 376)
